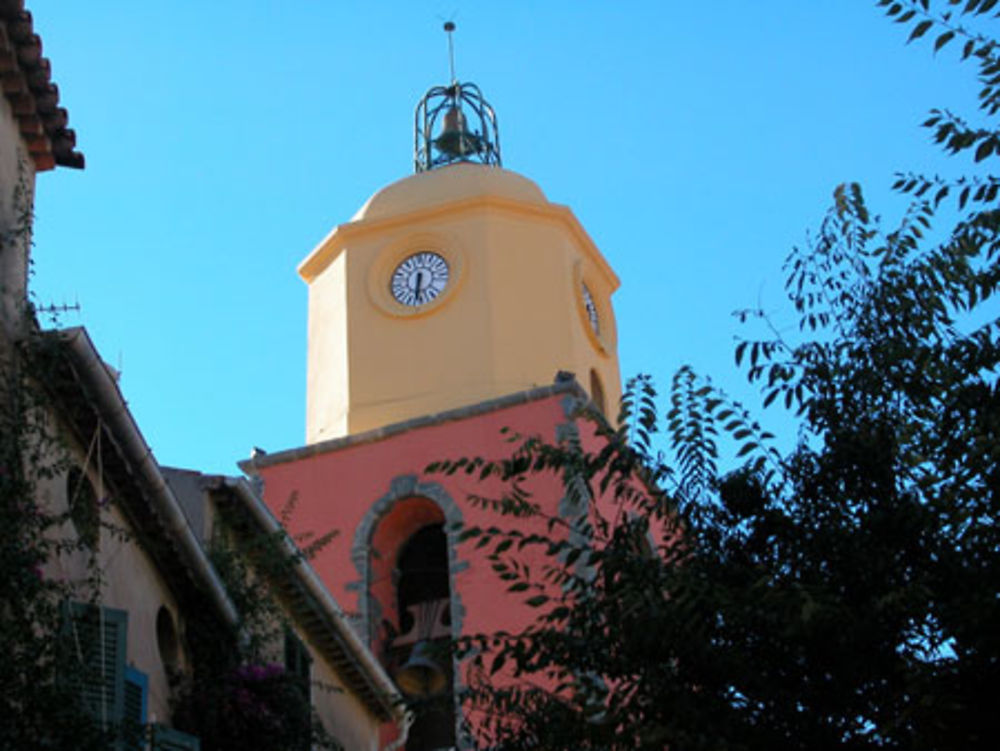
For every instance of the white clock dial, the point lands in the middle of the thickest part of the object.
(419, 278)
(591, 308)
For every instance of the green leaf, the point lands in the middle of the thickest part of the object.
(498, 662)
(741, 349)
(943, 40)
(985, 149)
(919, 30)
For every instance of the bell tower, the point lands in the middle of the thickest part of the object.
(459, 284)
(447, 311)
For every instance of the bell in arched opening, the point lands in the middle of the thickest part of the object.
(422, 675)
(423, 593)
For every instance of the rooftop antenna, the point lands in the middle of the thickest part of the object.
(454, 123)
(54, 308)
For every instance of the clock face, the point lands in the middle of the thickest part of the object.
(591, 308)
(419, 278)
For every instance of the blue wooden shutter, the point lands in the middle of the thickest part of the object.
(134, 709)
(97, 648)
(164, 738)
(136, 691)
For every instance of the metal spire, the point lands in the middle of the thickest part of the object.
(449, 28)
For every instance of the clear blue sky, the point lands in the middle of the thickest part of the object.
(697, 142)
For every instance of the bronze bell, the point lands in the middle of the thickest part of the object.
(455, 140)
(421, 676)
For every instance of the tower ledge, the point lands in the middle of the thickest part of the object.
(455, 187)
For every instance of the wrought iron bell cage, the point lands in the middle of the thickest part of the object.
(454, 124)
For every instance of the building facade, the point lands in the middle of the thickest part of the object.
(109, 557)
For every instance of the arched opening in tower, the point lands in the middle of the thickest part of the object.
(422, 593)
(409, 593)
(423, 601)
(597, 392)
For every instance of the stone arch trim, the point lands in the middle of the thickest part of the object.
(401, 488)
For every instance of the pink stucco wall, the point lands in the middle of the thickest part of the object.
(335, 489)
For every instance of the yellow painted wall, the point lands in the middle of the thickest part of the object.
(328, 385)
(343, 715)
(130, 581)
(511, 317)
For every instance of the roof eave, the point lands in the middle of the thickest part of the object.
(26, 79)
(92, 381)
(345, 647)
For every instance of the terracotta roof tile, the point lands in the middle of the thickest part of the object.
(25, 77)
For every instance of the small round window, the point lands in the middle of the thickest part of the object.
(83, 509)
(166, 639)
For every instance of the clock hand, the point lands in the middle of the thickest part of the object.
(420, 278)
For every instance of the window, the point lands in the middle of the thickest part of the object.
(83, 508)
(96, 646)
(298, 666)
(597, 391)
(298, 663)
(114, 694)
(167, 642)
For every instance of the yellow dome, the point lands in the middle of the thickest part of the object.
(446, 184)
